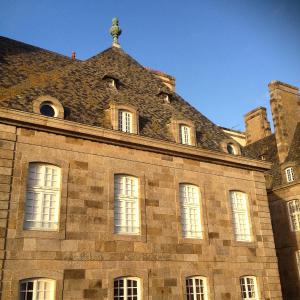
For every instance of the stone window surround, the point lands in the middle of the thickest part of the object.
(142, 237)
(251, 196)
(114, 109)
(133, 271)
(194, 271)
(26, 274)
(175, 130)
(256, 286)
(287, 165)
(236, 146)
(203, 215)
(21, 193)
(292, 229)
(59, 109)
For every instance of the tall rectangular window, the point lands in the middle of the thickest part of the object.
(294, 213)
(240, 216)
(290, 176)
(127, 288)
(190, 211)
(42, 197)
(125, 121)
(249, 289)
(196, 288)
(37, 289)
(298, 261)
(185, 135)
(127, 215)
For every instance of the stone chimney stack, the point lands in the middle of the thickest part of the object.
(257, 125)
(285, 106)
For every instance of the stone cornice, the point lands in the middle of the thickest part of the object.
(114, 137)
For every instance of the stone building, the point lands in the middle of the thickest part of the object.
(115, 187)
(282, 148)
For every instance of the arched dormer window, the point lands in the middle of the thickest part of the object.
(112, 82)
(183, 132)
(123, 117)
(48, 106)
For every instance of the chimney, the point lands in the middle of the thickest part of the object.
(73, 55)
(168, 80)
(285, 106)
(257, 125)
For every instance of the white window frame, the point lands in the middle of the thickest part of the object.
(290, 174)
(185, 134)
(36, 291)
(240, 216)
(198, 289)
(294, 214)
(249, 289)
(42, 197)
(126, 205)
(125, 288)
(297, 254)
(125, 121)
(191, 221)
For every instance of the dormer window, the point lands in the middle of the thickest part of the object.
(48, 106)
(111, 82)
(290, 175)
(125, 121)
(185, 135)
(123, 117)
(231, 149)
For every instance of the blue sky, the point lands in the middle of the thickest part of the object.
(223, 53)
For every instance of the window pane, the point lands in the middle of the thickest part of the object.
(190, 211)
(126, 288)
(185, 135)
(240, 216)
(249, 288)
(294, 212)
(42, 197)
(196, 288)
(38, 289)
(126, 210)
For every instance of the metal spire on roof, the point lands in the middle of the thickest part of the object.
(115, 32)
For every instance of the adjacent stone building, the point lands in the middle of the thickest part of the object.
(114, 187)
(282, 148)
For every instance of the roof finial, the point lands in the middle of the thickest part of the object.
(115, 32)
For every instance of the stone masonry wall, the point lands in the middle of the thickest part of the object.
(84, 256)
(287, 241)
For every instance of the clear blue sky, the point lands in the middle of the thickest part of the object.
(223, 53)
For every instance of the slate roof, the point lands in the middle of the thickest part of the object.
(28, 72)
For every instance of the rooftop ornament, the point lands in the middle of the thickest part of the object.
(115, 32)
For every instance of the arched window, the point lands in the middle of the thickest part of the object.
(125, 121)
(294, 213)
(196, 288)
(249, 289)
(290, 175)
(42, 197)
(185, 134)
(37, 289)
(190, 211)
(231, 149)
(127, 288)
(126, 212)
(240, 216)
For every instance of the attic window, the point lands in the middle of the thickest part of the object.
(48, 109)
(111, 81)
(166, 97)
(263, 157)
(290, 175)
(231, 149)
(48, 106)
